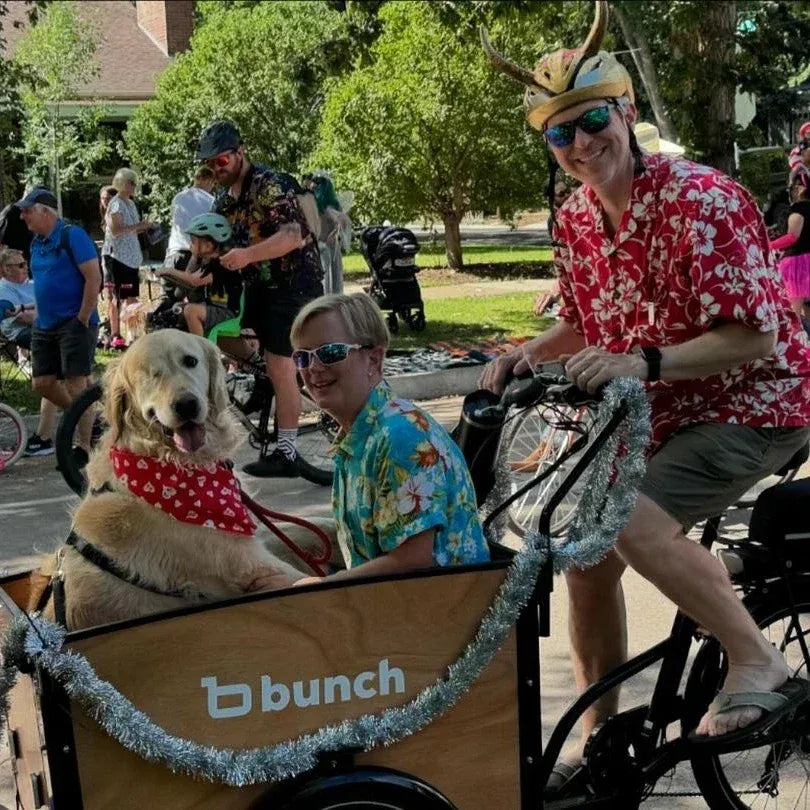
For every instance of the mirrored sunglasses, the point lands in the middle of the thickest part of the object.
(220, 161)
(589, 122)
(328, 354)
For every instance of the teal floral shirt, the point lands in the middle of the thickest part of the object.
(398, 473)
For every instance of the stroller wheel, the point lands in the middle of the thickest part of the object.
(393, 323)
(416, 320)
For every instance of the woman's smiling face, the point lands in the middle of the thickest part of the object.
(341, 388)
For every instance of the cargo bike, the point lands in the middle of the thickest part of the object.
(419, 691)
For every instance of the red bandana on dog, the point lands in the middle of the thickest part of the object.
(207, 496)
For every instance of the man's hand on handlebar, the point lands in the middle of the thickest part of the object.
(591, 368)
(496, 373)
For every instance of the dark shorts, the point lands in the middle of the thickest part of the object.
(270, 314)
(701, 470)
(123, 280)
(66, 351)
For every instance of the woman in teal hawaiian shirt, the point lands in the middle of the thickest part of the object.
(402, 493)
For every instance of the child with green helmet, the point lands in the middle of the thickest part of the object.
(210, 235)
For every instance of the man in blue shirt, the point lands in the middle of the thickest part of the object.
(67, 279)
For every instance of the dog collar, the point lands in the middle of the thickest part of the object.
(205, 495)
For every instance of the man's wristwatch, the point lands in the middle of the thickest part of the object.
(652, 355)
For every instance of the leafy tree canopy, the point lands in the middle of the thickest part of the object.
(428, 128)
(261, 65)
(55, 58)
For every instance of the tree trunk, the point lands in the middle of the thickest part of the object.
(452, 239)
(642, 57)
(716, 39)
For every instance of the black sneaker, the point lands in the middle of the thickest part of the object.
(37, 446)
(276, 465)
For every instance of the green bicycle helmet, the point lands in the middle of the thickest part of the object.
(215, 226)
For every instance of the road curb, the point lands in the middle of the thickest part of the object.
(445, 382)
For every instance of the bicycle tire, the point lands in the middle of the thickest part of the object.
(715, 773)
(364, 789)
(66, 463)
(13, 435)
(529, 433)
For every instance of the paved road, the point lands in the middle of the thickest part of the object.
(532, 235)
(34, 509)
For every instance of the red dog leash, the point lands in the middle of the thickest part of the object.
(267, 516)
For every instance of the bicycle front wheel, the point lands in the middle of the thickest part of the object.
(66, 435)
(13, 435)
(534, 445)
(771, 776)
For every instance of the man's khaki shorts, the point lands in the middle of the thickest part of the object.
(702, 469)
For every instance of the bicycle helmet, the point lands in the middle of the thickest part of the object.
(214, 226)
(568, 77)
(804, 131)
(218, 137)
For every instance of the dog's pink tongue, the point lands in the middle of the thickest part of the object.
(189, 437)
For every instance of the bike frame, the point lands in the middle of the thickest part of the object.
(654, 756)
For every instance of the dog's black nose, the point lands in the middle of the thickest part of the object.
(187, 407)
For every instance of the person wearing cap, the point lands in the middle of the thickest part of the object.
(277, 255)
(665, 276)
(67, 280)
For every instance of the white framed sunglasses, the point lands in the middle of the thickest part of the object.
(328, 354)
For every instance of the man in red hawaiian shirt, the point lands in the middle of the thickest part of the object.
(665, 276)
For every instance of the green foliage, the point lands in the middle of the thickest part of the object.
(56, 57)
(261, 65)
(429, 129)
(11, 109)
(699, 63)
(763, 171)
(57, 54)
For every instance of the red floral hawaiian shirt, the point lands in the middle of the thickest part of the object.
(690, 254)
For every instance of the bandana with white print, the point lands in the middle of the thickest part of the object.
(208, 495)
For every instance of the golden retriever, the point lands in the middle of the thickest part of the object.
(165, 398)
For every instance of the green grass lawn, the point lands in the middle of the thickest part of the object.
(469, 321)
(480, 261)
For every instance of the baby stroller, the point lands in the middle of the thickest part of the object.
(390, 253)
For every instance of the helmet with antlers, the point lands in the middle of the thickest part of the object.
(568, 77)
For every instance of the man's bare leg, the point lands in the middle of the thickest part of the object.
(47, 419)
(281, 371)
(75, 386)
(597, 628)
(653, 543)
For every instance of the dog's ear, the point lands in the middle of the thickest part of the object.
(217, 391)
(116, 398)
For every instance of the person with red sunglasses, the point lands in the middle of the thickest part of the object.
(277, 255)
(665, 276)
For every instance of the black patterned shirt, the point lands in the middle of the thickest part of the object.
(267, 202)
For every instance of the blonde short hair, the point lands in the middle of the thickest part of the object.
(7, 255)
(361, 316)
(121, 177)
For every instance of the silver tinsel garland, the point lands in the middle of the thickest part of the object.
(599, 520)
